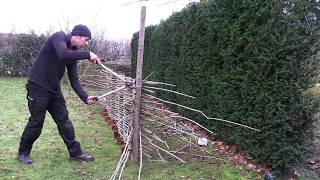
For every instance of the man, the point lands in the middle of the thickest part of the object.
(60, 51)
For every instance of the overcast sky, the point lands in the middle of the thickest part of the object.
(119, 19)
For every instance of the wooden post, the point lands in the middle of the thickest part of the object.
(137, 100)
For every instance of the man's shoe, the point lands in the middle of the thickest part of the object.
(24, 159)
(82, 157)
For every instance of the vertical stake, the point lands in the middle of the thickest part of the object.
(137, 100)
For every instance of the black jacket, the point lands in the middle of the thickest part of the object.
(49, 66)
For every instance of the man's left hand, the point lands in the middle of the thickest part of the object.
(92, 100)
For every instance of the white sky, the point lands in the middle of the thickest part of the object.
(119, 19)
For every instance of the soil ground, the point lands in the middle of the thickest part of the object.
(310, 169)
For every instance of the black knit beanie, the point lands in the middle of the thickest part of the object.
(81, 30)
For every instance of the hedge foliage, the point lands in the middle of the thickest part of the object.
(18, 51)
(17, 57)
(248, 61)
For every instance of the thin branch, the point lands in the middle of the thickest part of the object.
(147, 76)
(149, 87)
(157, 83)
(217, 119)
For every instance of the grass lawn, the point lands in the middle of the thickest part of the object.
(50, 155)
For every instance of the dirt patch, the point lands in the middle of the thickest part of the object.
(314, 162)
(311, 168)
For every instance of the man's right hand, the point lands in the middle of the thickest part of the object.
(94, 58)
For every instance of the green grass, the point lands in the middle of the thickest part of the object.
(50, 155)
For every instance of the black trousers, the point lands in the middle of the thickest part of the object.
(39, 102)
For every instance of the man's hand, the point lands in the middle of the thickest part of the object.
(94, 58)
(92, 100)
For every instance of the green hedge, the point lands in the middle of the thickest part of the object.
(248, 61)
(18, 55)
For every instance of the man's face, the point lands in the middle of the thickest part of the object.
(80, 41)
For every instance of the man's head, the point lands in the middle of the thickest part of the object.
(80, 36)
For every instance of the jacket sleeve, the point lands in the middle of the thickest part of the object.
(74, 81)
(59, 44)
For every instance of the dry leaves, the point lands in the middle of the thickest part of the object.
(238, 158)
